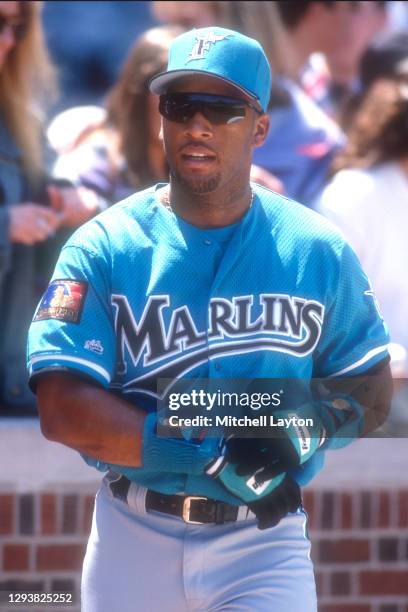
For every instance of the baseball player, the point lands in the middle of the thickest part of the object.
(208, 277)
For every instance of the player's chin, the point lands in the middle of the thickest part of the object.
(201, 184)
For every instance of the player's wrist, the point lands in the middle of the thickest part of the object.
(175, 455)
(342, 417)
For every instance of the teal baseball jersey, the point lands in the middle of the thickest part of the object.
(139, 294)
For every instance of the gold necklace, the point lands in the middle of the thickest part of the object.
(167, 203)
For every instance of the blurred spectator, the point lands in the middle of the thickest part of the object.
(31, 209)
(339, 30)
(26, 77)
(117, 151)
(368, 200)
(302, 140)
(384, 58)
(199, 14)
(88, 41)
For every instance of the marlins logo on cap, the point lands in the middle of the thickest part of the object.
(224, 54)
(202, 45)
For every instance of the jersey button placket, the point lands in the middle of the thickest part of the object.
(214, 367)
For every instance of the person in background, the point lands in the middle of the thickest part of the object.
(302, 140)
(329, 39)
(30, 210)
(367, 199)
(188, 14)
(383, 58)
(88, 42)
(117, 150)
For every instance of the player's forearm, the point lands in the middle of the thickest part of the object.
(90, 420)
(373, 392)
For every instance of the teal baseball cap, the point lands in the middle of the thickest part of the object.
(227, 55)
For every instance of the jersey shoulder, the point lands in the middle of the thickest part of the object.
(116, 224)
(298, 225)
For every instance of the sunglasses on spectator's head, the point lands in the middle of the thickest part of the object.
(18, 27)
(181, 107)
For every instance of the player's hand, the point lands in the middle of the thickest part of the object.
(280, 449)
(31, 223)
(248, 487)
(270, 500)
(271, 508)
(273, 451)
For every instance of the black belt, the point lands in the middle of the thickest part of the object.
(192, 509)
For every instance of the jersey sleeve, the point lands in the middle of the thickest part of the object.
(73, 327)
(354, 335)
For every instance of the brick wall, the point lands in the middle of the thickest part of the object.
(360, 549)
(42, 543)
(359, 546)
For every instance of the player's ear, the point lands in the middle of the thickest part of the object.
(261, 129)
(161, 131)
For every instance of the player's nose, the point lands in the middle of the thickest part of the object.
(198, 126)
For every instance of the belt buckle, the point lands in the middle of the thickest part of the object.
(187, 508)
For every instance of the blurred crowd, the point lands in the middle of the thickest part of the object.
(79, 131)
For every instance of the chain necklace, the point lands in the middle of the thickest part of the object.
(167, 203)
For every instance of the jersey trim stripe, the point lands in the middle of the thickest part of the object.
(367, 357)
(62, 358)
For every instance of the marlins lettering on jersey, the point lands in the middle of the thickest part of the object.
(287, 324)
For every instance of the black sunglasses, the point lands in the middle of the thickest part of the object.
(181, 107)
(19, 27)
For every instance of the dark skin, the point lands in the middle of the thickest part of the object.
(212, 193)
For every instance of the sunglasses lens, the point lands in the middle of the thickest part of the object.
(217, 109)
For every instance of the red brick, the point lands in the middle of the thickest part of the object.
(328, 506)
(309, 505)
(7, 504)
(59, 557)
(383, 583)
(365, 518)
(388, 549)
(26, 513)
(342, 607)
(340, 583)
(89, 503)
(403, 508)
(346, 518)
(69, 513)
(48, 513)
(344, 551)
(319, 579)
(383, 509)
(15, 557)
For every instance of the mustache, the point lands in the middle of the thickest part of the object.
(196, 145)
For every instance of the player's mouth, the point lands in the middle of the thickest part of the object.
(197, 157)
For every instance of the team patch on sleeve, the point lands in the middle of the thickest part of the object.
(63, 300)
